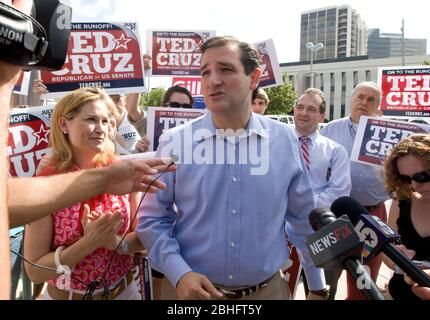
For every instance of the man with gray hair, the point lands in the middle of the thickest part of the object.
(367, 181)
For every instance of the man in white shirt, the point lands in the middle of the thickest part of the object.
(327, 161)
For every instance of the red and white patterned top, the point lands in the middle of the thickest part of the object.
(68, 229)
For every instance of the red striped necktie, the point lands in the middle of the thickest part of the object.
(305, 150)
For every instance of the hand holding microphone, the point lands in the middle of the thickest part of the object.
(336, 244)
(377, 237)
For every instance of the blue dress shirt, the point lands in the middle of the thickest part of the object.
(329, 170)
(226, 219)
(367, 181)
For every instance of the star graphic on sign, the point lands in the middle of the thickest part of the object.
(122, 42)
(368, 238)
(41, 135)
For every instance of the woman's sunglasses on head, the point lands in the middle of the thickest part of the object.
(420, 177)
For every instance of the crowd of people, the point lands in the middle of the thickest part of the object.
(213, 229)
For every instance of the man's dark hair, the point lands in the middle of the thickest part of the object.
(177, 89)
(249, 55)
(318, 93)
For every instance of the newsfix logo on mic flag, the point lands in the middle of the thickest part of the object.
(333, 243)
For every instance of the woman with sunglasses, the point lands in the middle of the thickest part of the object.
(175, 97)
(407, 178)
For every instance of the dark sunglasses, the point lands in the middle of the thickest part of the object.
(420, 177)
(178, 105)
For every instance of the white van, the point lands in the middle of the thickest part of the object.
(283, 118)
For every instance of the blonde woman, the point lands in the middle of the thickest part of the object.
(81, 238)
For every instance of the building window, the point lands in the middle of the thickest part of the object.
(355, 78)
(342, 111)
(368, 77)
(331, 116)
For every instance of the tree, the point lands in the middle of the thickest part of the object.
(281, 98)
(426, 63)
(153, 98)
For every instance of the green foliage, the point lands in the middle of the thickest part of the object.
(281, 98)
(153, 98)
(426, 63)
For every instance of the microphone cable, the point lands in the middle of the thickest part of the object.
(106, 284)
(92, 286)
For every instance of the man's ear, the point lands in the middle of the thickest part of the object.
(255, 78)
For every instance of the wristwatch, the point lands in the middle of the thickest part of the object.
(123, 247)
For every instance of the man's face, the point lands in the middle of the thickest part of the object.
(307, 114)
(364, 102)
(225, 86)
(258, 106)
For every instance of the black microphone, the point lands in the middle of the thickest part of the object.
(335, 243)
(377, 237)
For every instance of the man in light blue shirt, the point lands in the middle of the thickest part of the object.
(328, 161)
(367, 181)
(217, 230)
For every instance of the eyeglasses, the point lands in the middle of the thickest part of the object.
(178, 105)
(420, 177)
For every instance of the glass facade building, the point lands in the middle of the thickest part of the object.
(339, 28)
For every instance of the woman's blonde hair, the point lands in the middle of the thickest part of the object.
(68, 107)
(417, 145)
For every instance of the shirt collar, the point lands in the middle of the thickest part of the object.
(312, 137)
(254, 127)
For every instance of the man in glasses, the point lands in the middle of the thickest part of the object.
(367, 182)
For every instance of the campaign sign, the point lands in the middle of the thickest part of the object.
(29, 130)
(292, 270)
(104, 55)
(377, 136)
(405, 91)
(271, 71)
(176, 53)
(160, 119)
(22, 85)
(194, 86)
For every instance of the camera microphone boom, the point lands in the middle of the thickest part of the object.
(377, 237)
(334, 244)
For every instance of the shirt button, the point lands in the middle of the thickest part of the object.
(231, 277)
(233, 245)
(233, 212)
(234, 179)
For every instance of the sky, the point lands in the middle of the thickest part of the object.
(251, 20)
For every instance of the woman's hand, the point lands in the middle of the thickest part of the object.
(100, 230)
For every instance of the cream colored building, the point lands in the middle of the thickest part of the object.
(337, 77)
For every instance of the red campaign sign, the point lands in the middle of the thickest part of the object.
(28, 138)
(21, 86)
(105, 55)
(405, 91)
(193, 85)
(177, 52)
(270, 70)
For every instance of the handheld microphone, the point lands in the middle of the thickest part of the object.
(377, 236)
(335, 243)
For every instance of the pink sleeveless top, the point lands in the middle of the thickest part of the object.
(68, 229)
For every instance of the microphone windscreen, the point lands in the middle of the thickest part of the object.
(349, 206)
